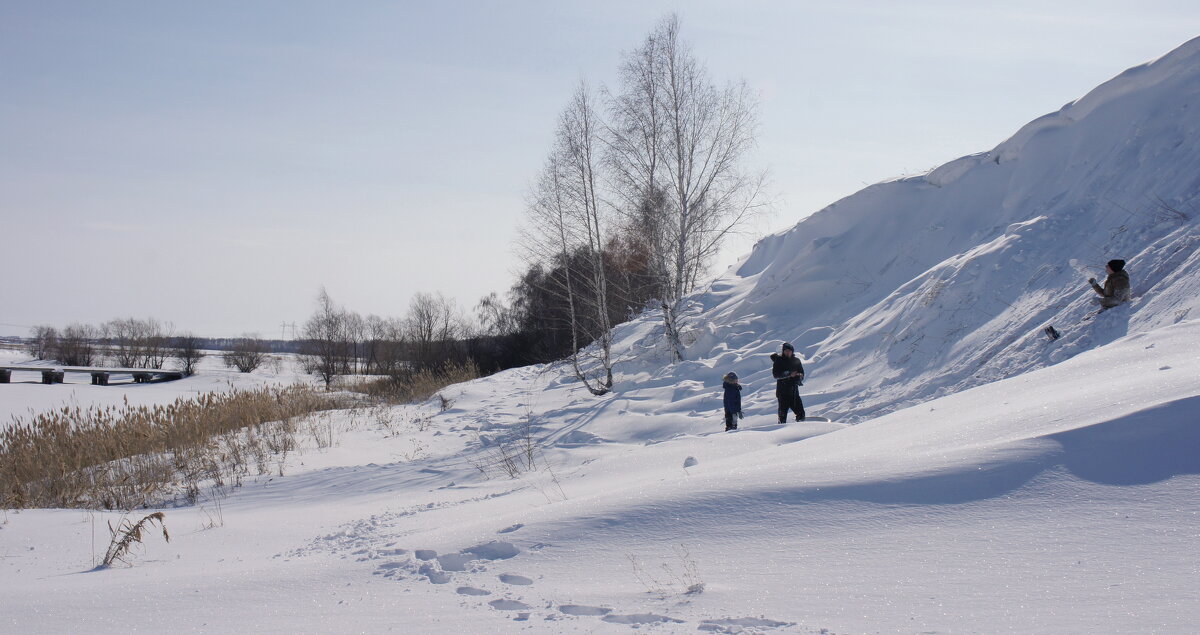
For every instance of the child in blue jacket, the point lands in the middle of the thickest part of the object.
(733, 401)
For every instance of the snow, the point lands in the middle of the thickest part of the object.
(27, 395)
(975, 476)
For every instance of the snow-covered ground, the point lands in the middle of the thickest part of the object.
(1048, 502)
(977, 477)
(26, 394)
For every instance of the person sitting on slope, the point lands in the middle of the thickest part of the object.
(1116, 286)
(733, 400)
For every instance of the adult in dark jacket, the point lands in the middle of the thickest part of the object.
(732, 400)
(789, 376)
(1116, 285)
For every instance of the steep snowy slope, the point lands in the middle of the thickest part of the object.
(932, 284)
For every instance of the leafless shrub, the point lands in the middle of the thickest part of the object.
(1167, 212)
(77, 345)
(512, 454)
(134, 343)
(678, 575)
(42, 341)
(320, 426)
(503, 456)
(187, 351)
(247, 354)
(213, 510)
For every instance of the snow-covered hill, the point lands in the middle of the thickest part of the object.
(994, 481)
(927, 285)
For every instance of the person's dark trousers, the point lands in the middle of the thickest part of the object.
(730, 420)
(795, 404)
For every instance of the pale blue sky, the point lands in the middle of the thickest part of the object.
(250, 152)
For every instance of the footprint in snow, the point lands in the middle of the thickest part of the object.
(470, 590)
(640, 618)
(741, 625)
(511, 578)
(494, 550)
(435, 577)
(581, 610)
(454, 561)
(509, 530)
(508, 605)
(425, 554)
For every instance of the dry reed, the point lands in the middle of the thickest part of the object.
(416, 386)
(134, 456)
(126, 534)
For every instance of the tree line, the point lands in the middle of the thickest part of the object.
(140, 343)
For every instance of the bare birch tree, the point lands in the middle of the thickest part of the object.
(676, 148)
(566, 226)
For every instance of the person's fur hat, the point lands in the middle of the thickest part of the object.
(731, 377)
(787, 346)
(1116, 265)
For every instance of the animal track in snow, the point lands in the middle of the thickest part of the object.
(511, 578)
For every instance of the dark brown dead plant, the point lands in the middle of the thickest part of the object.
(126, 534)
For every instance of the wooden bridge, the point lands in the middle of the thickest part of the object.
(100, 376)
